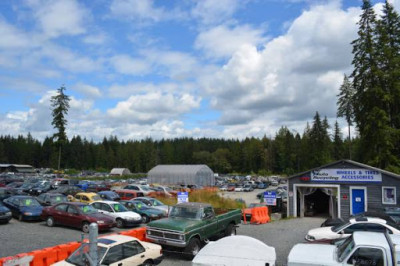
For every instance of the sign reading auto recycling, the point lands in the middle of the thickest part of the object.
(346, 175)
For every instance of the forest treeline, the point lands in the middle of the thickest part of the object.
(285, 153)
(369, 100)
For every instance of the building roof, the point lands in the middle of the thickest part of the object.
(349, 162)
(178, 168)
(119, 171)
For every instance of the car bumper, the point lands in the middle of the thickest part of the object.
(103, 227)
(162, 241)
(132, 222)
(31, 217)
(4, 218)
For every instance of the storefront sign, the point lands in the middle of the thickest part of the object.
(270, 198)
(346, 175)
(183, 197)
(305, 178)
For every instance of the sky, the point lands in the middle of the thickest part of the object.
(158, 69)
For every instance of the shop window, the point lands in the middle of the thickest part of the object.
(388, 195)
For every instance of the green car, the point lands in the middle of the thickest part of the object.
(148, 213)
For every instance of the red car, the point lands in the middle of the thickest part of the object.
(127, 194)
(76, 214)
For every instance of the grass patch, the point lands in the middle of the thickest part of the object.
(206, 196)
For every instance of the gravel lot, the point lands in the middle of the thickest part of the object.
(18, 237)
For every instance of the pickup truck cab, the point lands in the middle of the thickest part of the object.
(191, 224)
(362, 248)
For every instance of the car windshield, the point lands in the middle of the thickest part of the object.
(168, 189)
(344, 249)
(118, 207)
(80, 256)
(185, 212)
(87, 209)
(156, 202)
(145, 188)
(339, 227)
(28, 203)
(140, 206)
(58, 199)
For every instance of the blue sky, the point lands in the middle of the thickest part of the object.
(166, 69)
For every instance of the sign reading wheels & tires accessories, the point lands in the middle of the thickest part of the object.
(270, 198)
(346, 175)
(183, 197)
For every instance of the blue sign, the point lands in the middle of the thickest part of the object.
(270, 198)
(183, 197)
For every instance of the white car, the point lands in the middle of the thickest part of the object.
(140, 188)
(116, 250)
(123, 217)
(344, 230)
(239, 189)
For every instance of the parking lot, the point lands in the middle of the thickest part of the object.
(19, 237)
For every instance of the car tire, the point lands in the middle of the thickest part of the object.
(148, 263)
(85, 227)
(192, 249)
(230, 230)
(120, 223)
(50, 221)
(145, 219)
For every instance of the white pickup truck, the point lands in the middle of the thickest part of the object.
(362, 248)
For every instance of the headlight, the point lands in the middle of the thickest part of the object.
(27, 213)
(8, 213)
(100, 222)
(181, 237)
(138, 218)
(153, 215)
(39, 191)
(149, 232)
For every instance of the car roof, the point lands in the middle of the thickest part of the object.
(105, 192)
(75, 203)
(86, 193)
(368, 220)
(107, 201)
(114, 240)
(194, 204)
(370, 238)
(22, 197)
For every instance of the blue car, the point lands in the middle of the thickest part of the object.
(24, 207)
(109, 195)
(5, 214)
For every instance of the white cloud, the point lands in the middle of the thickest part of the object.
(11, 37)
(60, 17)
(127, 65)
(95, 39)
(151, 107)
(294, 75)
(123, 91)
(213, 12)
(222, 41)
(144, 11)
(87, 90)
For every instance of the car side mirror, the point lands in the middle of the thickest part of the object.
(341, 232)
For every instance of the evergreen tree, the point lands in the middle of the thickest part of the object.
(337, 143)
(319, 148)
(345, 105)
(60, 105)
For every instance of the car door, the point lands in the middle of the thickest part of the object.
(106, 209)
(209, 222)
(73, 217)
(367, 256)
(59, 214)
(133, 253)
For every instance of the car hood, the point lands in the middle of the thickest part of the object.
(323, 233)
(176, 224)
(310, 254)
(33, 209)
(153, 211)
